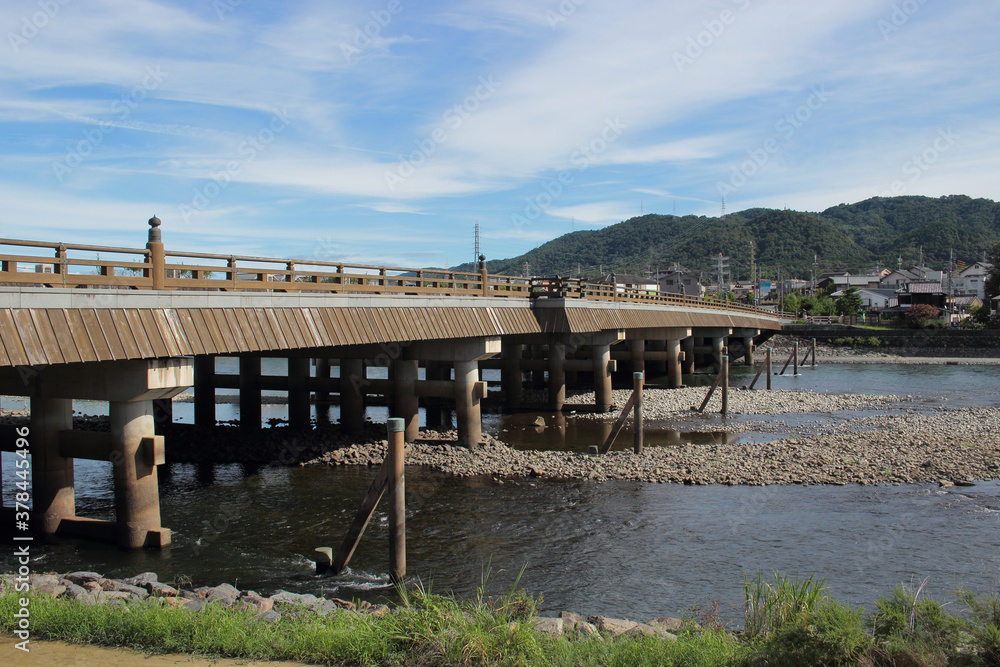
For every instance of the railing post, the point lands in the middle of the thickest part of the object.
(62, 266)
(484, 275)
(233, 271)
(157, 259)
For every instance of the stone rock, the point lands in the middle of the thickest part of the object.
(81, 578)
(161, 590)
(109, 596)
(74, 592)
(195, 605)
(270, 616)
(142, 579)
(43, 580)
(227, 589)
(92, 586)
(944, 484)
(251, 600)
(964, 482)
(548, 625)
(286, 597)
(343, 604)
(188, 595)
(121, 587)
(615, 626)
(667, 623)
(650, 631)
(52, 589)
(324, 607)
(571, 620)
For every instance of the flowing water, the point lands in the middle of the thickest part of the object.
(623, 549)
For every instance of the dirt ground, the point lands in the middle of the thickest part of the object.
(76, 655)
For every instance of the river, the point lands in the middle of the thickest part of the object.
(621, 549)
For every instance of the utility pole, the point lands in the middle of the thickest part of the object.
(527, 270)
(475, 256)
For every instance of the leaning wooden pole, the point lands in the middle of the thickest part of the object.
(764, 366)
(715, 385)
(637, 412)
(397, 499)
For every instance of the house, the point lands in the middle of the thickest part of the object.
(873, 298)
(919, 292)
(834, 282)
(678, 280)
(972, 280)
(628, 283)
(896, 279)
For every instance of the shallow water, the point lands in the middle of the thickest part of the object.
(620, 548)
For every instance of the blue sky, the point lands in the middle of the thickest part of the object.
(381, 131)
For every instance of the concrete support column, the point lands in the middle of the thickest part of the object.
(602, 377)
(660, 366)
(467, 411)
(434, 370)
(204, 391)
(748, 350)
(250, 404)
(537, 375)
(322, 395)
(687, 346)
(52, 475)
(511, 378)
(163, 414)
(557, 376)
(638, 355)
(137, 499)
(298, 392)
(718, 342)
(352, 398)
(407, 405)
(674, 380)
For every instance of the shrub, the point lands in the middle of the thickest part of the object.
(833, 636)
(769, 608)
(911, 630)
(920, 315)
(873, 341)
(984, 625)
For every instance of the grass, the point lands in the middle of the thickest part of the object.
(788, 622)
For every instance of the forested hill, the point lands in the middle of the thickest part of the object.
(848, 237)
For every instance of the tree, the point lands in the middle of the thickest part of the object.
(993, 277)
(849, 303)
(791, 302)
(918, 316)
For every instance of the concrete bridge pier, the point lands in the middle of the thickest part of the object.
(132, 446)
(352, 396)
(434, 407)
(511, 376)
(405, 400)
(687, 347)
(323, 365)
(204, 391)
(298, 393)
(557, 374)
(600, 344)
(250, 402)
(467, 389)
(53, 494)
(638, 360)
(746, 336)
(718, 336)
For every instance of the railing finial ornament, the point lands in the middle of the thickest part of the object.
(154, 229)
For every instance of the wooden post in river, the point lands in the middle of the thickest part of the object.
(397, 500)
(637, 412)
(814, 352)
(769, 369)
(795, 357)
(725, 384)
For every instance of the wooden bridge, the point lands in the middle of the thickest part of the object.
(136, 327)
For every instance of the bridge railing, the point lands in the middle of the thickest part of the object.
(153, 267)
(575, 288)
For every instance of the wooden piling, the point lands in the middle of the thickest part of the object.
(397, 500)
(795, 357)
(725, 384)
(814, 352)
(768, 369)
(637, 412)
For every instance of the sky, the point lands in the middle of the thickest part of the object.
(381, 132)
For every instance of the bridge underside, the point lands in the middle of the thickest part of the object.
(137, 350)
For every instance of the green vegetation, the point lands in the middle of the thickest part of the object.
(920, 316)
(857, 341)
(848, 237)
(849, 303)
(788, 622)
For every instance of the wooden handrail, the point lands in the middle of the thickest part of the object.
(243, 272)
